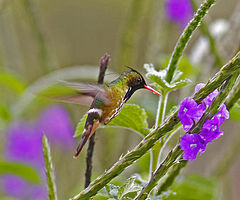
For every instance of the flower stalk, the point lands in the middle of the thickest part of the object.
(185, 37)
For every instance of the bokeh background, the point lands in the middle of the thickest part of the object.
(42, 42)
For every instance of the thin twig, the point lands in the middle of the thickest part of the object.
(103, 67)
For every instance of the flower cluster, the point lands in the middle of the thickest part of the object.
(24, 144)
(189, 113)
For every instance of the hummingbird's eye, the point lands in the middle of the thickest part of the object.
(139, 80)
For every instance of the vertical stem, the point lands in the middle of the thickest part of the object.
(52, 192)
(103, 67)
(185, 37)
(162, 103)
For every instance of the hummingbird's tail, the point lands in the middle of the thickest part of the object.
(87, 133)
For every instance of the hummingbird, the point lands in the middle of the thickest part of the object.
(107, 101)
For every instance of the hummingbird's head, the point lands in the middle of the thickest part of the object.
(135, 81)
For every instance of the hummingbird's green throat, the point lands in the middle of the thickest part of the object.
(106, 101)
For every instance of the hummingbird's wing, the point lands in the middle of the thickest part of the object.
(80, 93)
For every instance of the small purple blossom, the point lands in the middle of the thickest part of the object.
(191, 144)
(210, 130)
(24, 144)
(222, 114)
(189, 112)
(179, 11)
(207, 100)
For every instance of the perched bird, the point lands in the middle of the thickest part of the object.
(107, 101)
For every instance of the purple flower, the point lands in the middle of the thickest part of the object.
(191, 144)
(56, 124)
(189, 112)
(24, 144)
(210, 130)
(16, 187)
(179, 11)
(222, 114)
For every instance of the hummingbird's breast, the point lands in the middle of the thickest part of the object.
(116, 98)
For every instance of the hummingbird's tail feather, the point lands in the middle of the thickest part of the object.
(87, 133)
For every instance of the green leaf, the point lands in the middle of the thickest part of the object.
(80, 126)
(158, 77)
(132, 117)
(11, 81)
(19, 169)
(52, 191)
(129, 190)
(110, 191)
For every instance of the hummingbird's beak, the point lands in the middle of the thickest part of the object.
(151, 89)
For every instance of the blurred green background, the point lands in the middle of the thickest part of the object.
(40, 40)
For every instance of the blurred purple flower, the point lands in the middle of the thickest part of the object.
(179, 11)
(24, 144)
(55, 123)
(16, 187)
(190, 112)
(191, 144)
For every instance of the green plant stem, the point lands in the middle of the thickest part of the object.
(52, 192)
(226, 71)
(205, 31)
(171, 175)
(162, 103)
(37, 34)
(167, 139)
(174, 154)
(160, 172)
(185, 37)
(214, 107)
